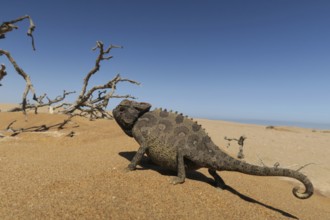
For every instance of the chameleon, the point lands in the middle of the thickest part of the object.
(176, 142)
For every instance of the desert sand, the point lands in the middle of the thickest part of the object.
(50, 175)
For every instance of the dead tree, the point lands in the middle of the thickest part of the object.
(95, 107)
(6, 27)
(87, 103)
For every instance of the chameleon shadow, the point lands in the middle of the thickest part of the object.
(249, 199)
(147, 164)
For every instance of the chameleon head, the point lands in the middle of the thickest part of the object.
(127, 113)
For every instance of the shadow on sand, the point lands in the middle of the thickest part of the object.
(146, 164)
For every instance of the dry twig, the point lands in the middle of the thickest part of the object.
(240, 142)
(277, 164)
(302, 167)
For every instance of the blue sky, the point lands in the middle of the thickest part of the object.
(233, 59)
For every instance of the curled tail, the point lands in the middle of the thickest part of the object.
(228, 163)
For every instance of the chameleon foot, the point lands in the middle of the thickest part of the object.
(177, 180)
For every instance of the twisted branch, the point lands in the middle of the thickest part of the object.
(96, 107)
(8, 26)
(28, 84)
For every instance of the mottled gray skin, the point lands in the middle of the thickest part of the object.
(178, 143)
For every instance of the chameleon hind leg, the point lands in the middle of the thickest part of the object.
(219, 183)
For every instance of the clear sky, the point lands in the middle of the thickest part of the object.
(233, 59)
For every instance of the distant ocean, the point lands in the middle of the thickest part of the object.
(319, 126)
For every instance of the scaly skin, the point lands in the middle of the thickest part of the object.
(178, 143)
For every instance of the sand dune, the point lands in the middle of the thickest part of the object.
(46, 175)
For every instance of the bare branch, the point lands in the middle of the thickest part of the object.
(3, 72)
(100, 57)
(8, 26)
(10, 124)
(28, 85)
(40, 102)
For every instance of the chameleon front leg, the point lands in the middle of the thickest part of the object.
(180, 178)
(137, 157)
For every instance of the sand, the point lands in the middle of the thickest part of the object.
(48, 175)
